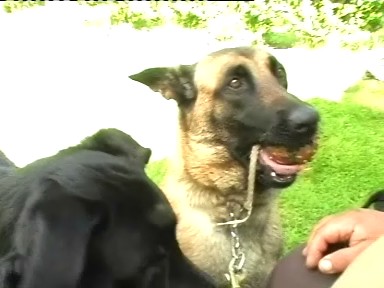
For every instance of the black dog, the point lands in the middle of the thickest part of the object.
(90, 217)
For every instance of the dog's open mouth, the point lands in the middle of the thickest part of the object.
(280, 165)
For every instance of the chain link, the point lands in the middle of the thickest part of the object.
(235, 267)
(238, 256)
(236, 272)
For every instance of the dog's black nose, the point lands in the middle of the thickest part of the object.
(303, 119)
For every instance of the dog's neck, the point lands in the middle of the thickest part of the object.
(209, 163)
(210, 178)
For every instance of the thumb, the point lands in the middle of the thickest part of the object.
(339, 260)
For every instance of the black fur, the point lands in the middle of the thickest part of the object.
(90, 217)
(376, 200)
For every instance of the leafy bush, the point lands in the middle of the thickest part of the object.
(278, 23)
(368, 15)
(11, 6)
(281, 39)
(137, 20)
(189, 20)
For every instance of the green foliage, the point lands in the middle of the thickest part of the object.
(281, 39)
(315, 23)
(368, 15)
(93, 3)
(189, 20)
(346, 169)
(137, 20)
(277, 23)
(12, 6)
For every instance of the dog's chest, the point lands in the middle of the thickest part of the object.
(210, 246)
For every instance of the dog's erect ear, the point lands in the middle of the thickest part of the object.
(172, 82)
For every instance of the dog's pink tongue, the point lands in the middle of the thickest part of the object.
(279, 168)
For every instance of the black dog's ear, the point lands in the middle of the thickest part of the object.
(115, 142)
(145, 154)
(172, 82)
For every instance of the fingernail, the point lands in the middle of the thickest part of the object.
(305, 251)
(325, 266)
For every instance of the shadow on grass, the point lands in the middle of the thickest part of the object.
(349, 165)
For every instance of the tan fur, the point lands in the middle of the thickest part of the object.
(204, 177)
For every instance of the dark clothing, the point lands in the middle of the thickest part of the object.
(291, 272)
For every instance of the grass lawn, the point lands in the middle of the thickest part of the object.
(349, 164)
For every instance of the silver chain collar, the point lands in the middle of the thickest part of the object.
(236, 271)
(235, 267)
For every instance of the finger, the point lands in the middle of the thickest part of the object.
(342, 219)
(338, 261)
(320, 224)
(314, 231)
(335, 232)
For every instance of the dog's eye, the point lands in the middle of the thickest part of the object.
(280, 72)
(281, 76)
(235, 83)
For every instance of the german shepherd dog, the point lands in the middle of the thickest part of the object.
(230, 101)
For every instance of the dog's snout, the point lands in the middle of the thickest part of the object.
(303, 119)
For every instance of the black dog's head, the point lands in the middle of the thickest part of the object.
(240, 97)
(114, 142)
(93, 218)
(135, 235)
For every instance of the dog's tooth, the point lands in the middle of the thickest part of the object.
(273, 174)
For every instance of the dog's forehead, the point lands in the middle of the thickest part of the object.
(211, 69)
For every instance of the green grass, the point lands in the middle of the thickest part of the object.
(349, 165)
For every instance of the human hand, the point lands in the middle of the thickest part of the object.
(357, 229)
